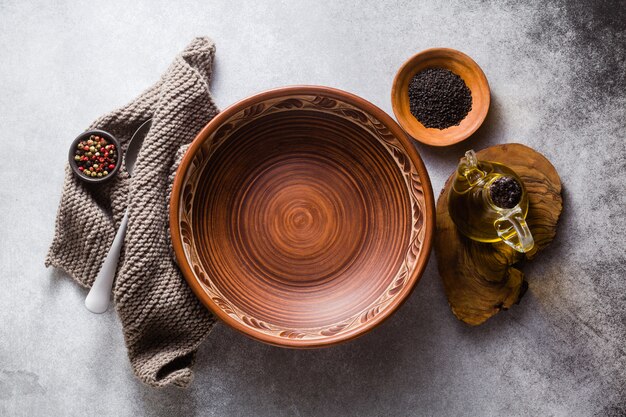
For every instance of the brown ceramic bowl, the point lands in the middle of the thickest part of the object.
(460, 64)
(302, 216)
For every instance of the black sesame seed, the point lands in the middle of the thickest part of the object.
(505, 192)
(439, 98)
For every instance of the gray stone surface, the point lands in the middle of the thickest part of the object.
(558, 75)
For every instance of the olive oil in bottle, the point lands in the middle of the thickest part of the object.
(488, 203)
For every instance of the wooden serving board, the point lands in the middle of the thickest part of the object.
(480, 279)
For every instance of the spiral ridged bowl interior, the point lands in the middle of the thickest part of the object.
(302, 216)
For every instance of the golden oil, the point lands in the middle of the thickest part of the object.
(474, 213)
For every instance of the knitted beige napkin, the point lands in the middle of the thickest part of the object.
(163, 321)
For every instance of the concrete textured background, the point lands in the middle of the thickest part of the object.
(557, 70)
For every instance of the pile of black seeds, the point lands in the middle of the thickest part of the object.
(505, 192)
(439, 98)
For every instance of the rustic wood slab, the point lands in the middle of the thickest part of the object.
(480, 279)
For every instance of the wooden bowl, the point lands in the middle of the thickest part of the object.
(460, 64)
(302, 216)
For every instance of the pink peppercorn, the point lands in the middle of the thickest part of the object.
(92, 157)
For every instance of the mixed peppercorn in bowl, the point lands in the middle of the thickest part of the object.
(95, 156)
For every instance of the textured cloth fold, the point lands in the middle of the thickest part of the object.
(163, 322)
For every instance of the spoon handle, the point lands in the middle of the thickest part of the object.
(97, 300)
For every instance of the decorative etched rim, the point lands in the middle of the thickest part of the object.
(322, 99)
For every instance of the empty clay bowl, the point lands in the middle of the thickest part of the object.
(302, 216)
(460, 64)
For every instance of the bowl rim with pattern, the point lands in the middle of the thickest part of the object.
(462, 65)
(413, 275)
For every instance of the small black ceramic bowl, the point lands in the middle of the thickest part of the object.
(84, 137)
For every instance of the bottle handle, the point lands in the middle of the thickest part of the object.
(513, 230)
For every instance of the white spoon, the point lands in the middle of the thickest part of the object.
(97, 300)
